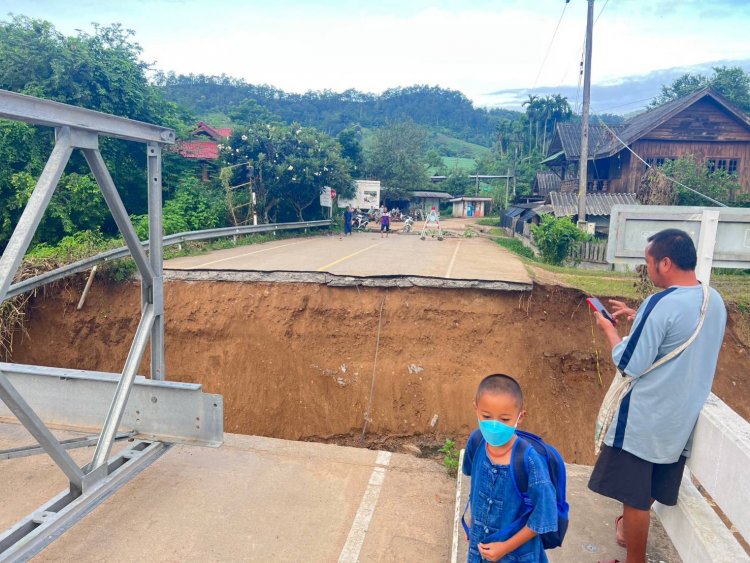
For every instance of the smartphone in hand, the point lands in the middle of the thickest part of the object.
(599, 307)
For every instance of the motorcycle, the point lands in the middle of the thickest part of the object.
(408, 223)
(360, 222)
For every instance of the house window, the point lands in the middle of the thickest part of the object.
(659, 161)
(729, 165)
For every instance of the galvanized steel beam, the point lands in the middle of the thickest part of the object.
(156, 259)
(40, 528)
(117, 408)
(119, 213)
(158, 410)
(37, 111)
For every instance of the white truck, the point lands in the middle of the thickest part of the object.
(366, 195)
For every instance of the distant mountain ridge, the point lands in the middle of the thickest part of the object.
(627, 95)
(441, 110)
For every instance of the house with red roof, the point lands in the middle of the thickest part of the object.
(205, 146)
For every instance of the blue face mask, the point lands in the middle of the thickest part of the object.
(496, 433)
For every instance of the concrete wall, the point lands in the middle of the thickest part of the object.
(720, 462)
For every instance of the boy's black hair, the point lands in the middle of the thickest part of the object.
(498, 383)
(675, 245)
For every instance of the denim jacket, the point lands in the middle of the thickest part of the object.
(495, 503)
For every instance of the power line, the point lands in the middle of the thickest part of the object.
(583, 46)
(649, 166)
(627, 104)
(549, 47)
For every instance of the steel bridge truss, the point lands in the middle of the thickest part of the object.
(174, 407)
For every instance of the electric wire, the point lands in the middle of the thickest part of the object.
(549, 47)
(582, 49)
(374, 366)
(624, 144)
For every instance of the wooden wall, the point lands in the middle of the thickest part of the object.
(633, 169)
(704, 130)
(705, 120)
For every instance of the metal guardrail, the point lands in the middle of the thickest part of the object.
(123, 252)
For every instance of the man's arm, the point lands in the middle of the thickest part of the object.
(608, 329)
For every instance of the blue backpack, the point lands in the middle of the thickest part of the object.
(519, 472)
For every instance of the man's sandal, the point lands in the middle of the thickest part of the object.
(619, 535)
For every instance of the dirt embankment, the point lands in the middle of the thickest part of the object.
(296, 360)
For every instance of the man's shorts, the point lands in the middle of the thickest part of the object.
(634, 481)
(385, 227)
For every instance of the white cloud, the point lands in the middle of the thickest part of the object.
(476, 47)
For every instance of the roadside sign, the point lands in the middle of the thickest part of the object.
(721, 234)
(326, 199)
(333, 193)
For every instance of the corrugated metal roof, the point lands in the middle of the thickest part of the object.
(440, 195)
(601, 142)
(546, 182)
(566, 204)
(470, 198)
(599, 139)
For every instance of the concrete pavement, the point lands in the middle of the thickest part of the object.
(263, 499)
(368, 255)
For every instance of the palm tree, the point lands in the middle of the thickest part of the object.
(531, 113)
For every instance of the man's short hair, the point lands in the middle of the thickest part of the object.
(499, 383)
(675, 245)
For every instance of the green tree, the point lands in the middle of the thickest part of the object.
(350, 140)
(731, 82)
(286, 165)
(77, 204)
(249, 111)
(457, 182)
(435, 162)
(397, 159)
(100, 71)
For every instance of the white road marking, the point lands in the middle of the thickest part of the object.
(353, 545)
(453, 260)
(243, 255)
(458, 509)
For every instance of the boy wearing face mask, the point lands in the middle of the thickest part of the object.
(495, 502)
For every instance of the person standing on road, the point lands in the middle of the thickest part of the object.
(385, 223)
(348, 215)
(647, 433)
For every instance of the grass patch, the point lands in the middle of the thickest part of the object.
(467, 164)
(517, 247)
(489, 221)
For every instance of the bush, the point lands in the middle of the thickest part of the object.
(553, 236)
(194, 206)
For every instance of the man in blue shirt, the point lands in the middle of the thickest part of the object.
(348, 215)
(645, 447)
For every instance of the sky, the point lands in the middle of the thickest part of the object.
(484, 49)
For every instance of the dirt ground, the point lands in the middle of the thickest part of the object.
(295, 361)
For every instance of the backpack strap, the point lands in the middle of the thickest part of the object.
(519, 474)
(476, 441)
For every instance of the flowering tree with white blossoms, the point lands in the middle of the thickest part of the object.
(286, 164)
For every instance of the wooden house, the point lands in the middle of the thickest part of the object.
(204, 146)
(703, 124)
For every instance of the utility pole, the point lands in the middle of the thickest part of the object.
(584, 159)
